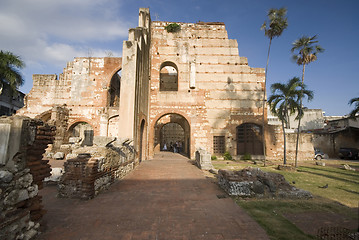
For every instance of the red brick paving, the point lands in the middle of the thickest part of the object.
(165, 198)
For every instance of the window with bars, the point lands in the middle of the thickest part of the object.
(218, 145)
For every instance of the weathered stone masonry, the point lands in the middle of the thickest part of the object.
(217, 90)
(88, 174)
(192, 80)
(22, 170)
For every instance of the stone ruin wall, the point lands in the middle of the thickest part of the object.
(22, 170)
(87, 175)
(83, 87)
(217, 90)
(135, 85)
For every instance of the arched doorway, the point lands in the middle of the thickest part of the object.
(142, 130)
(172, 128)
(249, 139)
(113, 96)
(172, 137)
(84, 131)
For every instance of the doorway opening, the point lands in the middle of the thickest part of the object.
(172, 133)
(249, 139)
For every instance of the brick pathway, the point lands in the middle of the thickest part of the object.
(165, 198)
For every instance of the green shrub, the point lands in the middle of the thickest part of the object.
(247, 156)
(213, 157)
(173, 27)
(227, 156)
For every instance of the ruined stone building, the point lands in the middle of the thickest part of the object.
(188, 87)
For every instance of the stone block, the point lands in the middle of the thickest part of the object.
(5, 176)
(4, 141)
(59, 155)
(56, 174)
(74, 140)
(71, 156)
(102, 141)
(203, 159)
(320, 163)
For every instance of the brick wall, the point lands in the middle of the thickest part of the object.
(86, 176)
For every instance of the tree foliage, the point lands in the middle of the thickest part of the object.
(285, 101)
(304, 51)
(355, 111)
(173, 27)
(9, 73)
(277, 23)
(307, 50)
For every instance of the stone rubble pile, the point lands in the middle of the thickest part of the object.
(253, 182)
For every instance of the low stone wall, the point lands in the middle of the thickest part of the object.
(252, 182)
(22, 170)
(88, 174)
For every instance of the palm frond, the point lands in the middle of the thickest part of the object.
(9, 73)
(277, 22)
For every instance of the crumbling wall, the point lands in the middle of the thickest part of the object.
(22, 170)
(84, 86)
(57, 116)
(94, 171)
(275, 147)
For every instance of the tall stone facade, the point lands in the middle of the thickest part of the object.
(192, 81)
(198, 75)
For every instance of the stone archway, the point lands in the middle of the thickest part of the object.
(172, 127)
(82, 130)
(113, 95)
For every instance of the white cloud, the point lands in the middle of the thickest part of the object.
(56, 31)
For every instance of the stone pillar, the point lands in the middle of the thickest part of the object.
(128, 80)
(104, 125)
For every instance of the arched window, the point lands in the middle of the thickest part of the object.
(249, 139)
(114, 90)
(168, 77)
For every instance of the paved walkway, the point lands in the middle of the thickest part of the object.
(165, 198)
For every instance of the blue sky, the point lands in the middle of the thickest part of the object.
(49, 33)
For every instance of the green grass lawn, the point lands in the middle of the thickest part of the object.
(341, 196)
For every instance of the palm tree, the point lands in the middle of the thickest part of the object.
(284, 102)
(9, 74)
(356, 109)
(307, 53)
(274, 28)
